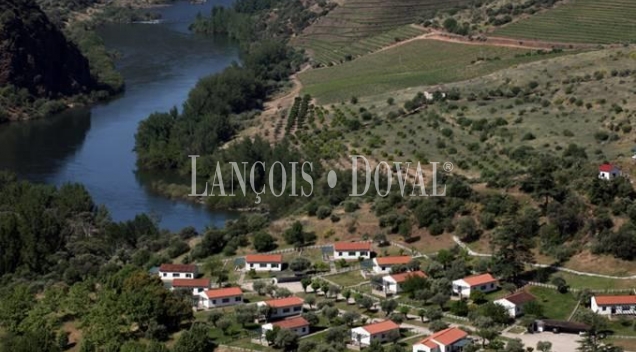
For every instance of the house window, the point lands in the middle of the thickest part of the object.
(383, 268)
(237, 299)
(226, 300)
(251, 265)
(351, 254)
(213, 301)
(285, 310)
(199, 289)
(176, 275)
(340, 254)
(165, 274)
(303, 329)
(274, 265)
(604, 309)
(296, 309)
(625, 307)
(382, 336)
(261, 265)
(483, 287)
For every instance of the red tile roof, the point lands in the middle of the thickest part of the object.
(380, 327)
(178, 268)
(606, 167)
(520, 297)
(614, 300)
(445, 337)
(405, 276)
(264, 258)
(399, 260)
(477, 280)
(223, 292)
(285, 302)
(352, 246)
(292, 323)
(191, 283)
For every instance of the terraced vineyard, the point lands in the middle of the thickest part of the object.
(418, 63)
(325, 53)
(359, 19)
(580, 21)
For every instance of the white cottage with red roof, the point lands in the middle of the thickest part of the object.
(383, 265)
(614, 305)
(381, 331)
(447, 340)
(196, 285)
(221, 297)
(391, 283)
(264, 262)
(298, 325)
(284, 307)
(169, 272)
(351, 250)
(483, 282)
(608, 172)
(515, 302)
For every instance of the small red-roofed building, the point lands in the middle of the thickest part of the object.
(608, 172)
(614, 305)
(195, 285)
(391, 283)
(221, 297)
(351, 250)
(483, 282)
(380, 331)
(447, 340)
(298, 325)
(169, 272)
(514, 303)
(284, 307)
(383, 265)
(264, 262)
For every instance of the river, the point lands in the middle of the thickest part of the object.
(94, 146)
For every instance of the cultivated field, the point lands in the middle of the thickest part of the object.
(579, 21)
(359, 19)
(417, 63)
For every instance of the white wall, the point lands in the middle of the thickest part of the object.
(351, 254)
(301, 331)
(171, 275)
(220, 302)
(460, 287)
(512, 309)
(263, 266)
(286, 312)
(195, 290)
(366, 339)
(390, 286)
(610, 310)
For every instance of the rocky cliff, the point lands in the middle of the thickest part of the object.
(36, 56)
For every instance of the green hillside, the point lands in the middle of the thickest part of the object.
(579, 21)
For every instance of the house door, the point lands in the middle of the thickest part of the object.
(613, 310)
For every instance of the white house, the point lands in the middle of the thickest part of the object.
(611, 305)
(448, 340)
(221, 297)
(484, 282)
(514, 303)
(391, 283)
(284, 307)
(297, 324)
(382, 331)
(351, 250)
(264, 262)
(169, 272)
(383, 265)
(196, 285)
(608, 172)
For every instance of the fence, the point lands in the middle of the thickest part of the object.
(610, 290)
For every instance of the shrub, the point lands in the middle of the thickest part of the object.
(323, 212)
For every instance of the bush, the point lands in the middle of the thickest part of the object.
(323, 212)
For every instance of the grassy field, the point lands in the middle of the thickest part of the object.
(556, 305)
(420, 62)
(579, 21)
(349, 278)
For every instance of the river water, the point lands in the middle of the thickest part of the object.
(94, 146)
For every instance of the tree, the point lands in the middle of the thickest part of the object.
(445, 257)
(397, 318)
(324, 287)
(591, 344)
(259, 287)
(300, 264)
(560, 283)
(310, 300)
(296, 236)
(375, 346)
(315, 286)
(459, 307)
(467, 229)
(421, 313)
(286, 339)
(214, 317)
(264, 242)
(509, 287)
(224, 324)
(434, 313)
(478, 296)
(270, 335)
(380, 239)
(388, 306)
(496, 312)
(514, 345)
(346, 294)
(413, 284)
(487, 334)
(305, 282)
(311, 318)
(440, 299)
(533, 308)
(437, 325)
(334, 290)
(245, 314)
(393, 336)
(194, 340)
(404, 310)
(585, 296)
(544, 346)
(513, 243)
(330, 313)
(282, 292)
(365, 302)
(596, 322)
(349, 318)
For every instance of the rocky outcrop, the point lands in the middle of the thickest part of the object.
(36, 56)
